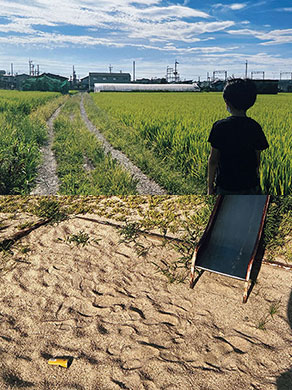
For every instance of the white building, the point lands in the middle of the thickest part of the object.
(101, 87)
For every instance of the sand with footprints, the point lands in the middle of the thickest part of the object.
(125, 326)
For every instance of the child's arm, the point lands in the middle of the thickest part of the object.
(212, 166)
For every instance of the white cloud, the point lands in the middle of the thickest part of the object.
(233, 7)
(185, 32)
(173, 11)
(131, 19)
(51, 41)
(237, 6)
(243, 31)
(274, 37)
(287, 9)
(127, 21)
(89, 13)
(57, 40)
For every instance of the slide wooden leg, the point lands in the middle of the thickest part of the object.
(244, 299)
(193, 271)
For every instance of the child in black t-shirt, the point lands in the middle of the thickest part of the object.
(236, 144)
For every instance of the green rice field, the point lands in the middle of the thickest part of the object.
(164, 134)
(82, 166)
(175, 127)
(23, 131)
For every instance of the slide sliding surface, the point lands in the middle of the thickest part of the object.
(229, 245)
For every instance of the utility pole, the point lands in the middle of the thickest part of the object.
(246, 69)
(74, 76)
(169, 74)
(30, 67)
(176, 77)
(134, 71)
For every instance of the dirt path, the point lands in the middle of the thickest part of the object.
(145, 185)
(47, 182)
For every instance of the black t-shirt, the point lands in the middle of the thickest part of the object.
(237, 138)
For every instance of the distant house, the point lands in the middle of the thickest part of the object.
(217, 85)
(7, 81)
(95, 77)
(285, 86)
(54, 76)
(266, 86)
(19, 79)
(263, 86)
(85, 82)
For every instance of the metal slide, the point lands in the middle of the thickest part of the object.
(230, 241)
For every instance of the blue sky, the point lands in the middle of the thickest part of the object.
(201, 35)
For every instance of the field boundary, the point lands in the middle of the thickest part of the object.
(145, 186)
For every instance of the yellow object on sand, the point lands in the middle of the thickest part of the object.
(59, 362)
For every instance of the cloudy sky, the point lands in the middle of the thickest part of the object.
(202, 35)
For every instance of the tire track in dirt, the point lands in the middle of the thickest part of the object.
(145, 185)
(47, 182)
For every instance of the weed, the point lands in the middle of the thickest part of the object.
(262, 323)
(50, 209)
(274, 308)
(5, 246)
(25, 249)
(141, 250)
(81, 238)
(130, 231)
(25, 225)
(168, 271)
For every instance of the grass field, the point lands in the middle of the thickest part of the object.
(83, 167)
(166, 134)
(23, 131)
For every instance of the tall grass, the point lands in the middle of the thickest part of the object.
(22, 132)
(130, 134)
(175, 127)
(83, 168)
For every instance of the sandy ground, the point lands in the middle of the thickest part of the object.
(125, 325)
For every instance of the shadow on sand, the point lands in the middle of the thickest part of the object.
(284, 381)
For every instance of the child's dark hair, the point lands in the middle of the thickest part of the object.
(240, 93)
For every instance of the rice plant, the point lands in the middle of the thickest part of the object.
(83, 167)
(22, 132)
(176, 126)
